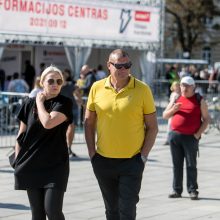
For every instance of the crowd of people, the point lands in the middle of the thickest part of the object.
(27, 81)
(210, 74)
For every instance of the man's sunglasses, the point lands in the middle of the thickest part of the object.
(52, 82)
(118, 66)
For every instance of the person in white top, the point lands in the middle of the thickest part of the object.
(175, 93)
(37, 88)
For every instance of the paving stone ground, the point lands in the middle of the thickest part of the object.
(83, 199)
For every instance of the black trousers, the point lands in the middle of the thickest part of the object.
(184, 147)
(46, 202)
(120, 183)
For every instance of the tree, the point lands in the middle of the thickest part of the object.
(188, 20)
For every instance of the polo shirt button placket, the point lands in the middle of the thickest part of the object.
(115, 103)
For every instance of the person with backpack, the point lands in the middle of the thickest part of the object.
(190, 118)
(90, 78)
(85, 82)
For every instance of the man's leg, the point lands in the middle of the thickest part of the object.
(177, 154)
(131, 171)
(105, 170)
(191, 149)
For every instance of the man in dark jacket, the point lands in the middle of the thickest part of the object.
(29, 74)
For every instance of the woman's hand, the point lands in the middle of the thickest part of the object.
(41, 97)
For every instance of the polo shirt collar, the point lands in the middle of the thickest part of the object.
(130, 85)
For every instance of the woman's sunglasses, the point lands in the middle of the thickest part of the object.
(52, 82)
(118, 66)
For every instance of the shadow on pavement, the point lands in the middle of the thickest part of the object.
(88, 159)
(202, 198)
(13, 206)
(152, 160)
(210, 199)
(6, 171)
(79, 158)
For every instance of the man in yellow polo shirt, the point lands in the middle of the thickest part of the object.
(121, 109)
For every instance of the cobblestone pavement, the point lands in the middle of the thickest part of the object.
(83, 200)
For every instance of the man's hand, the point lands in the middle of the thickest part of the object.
(197, 136)
(144, 158)
(176, 106)
(92, 154)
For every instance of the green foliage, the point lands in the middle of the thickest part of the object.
(188, 18)
(216, 26)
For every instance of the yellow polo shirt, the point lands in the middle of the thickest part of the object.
(120, 116)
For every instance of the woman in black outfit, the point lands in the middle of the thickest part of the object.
(41, 153)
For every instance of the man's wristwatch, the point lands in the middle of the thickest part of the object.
(144, 158)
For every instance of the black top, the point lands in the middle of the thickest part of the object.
(67, 90)
(90, 79)
(43, 160)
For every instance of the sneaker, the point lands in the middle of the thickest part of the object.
(194, 195)
(174, 195)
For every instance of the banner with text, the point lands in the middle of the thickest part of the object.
(80, 19)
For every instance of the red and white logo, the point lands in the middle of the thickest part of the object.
(142, 16)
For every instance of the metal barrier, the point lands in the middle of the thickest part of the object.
(11, 102)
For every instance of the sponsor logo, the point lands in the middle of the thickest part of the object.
(142, 16)
(125, 19)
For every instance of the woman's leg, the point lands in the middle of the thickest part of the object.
(36, 199)
(53, 203)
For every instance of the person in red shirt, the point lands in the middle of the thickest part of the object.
(190, 118)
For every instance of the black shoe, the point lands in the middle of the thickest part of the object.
(194, 195)
(73, 154)
(174, 195)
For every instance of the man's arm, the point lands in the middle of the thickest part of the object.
(171, 109)
(205, 119)
(150, 133)
(90, 130)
